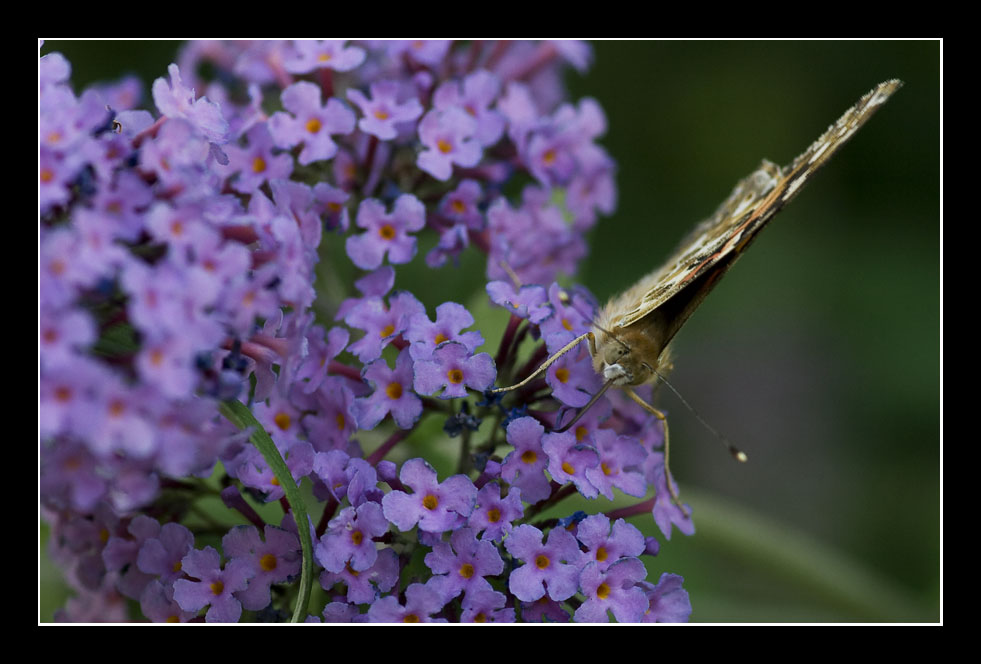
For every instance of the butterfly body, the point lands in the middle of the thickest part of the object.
(630, 337)
(632, 332)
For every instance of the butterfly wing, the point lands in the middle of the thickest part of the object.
(674, 291)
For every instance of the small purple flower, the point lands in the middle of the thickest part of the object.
(256, 473)
(386, 233)
(615, 589)
(308, 123)
(167, 361)
(330, 202)
(381, 323)
(451, 319)
(322, 349)
(552, 567)
(157, 603)
(373, 284)
(275, 560)
(605, 545)
(63, 334)
(568, 461)
(573, 317)
(310, 55)
(214, 587)
(461, 564)
(447, 137)
(530, 302)
(668, 601)
(592, 191)
(392, 394)
(120, 553)
(334, 417)
(544, 609)
(524, 467)
(665, 511)
(436, 507)
(383, 111)
(620, 460)
(452, 241)
(534, 240)
(363, 587)
(70, 473)
(175, 100)
(479, 90)
(454, 369)
(177, 156)
(428, 52)
(486, 606)
(573, 379)
(256, 164)
(493, 514)
(349, 538)
(461, 205)
(162, 555)
(421, 602)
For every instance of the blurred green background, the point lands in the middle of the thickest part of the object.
(819, 354)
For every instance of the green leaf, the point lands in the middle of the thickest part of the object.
(239, 414)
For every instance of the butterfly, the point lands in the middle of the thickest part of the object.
(629, 340)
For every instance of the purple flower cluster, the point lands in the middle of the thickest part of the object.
(181, 257)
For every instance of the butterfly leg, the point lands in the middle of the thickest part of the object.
(547, 363)
(667, 468)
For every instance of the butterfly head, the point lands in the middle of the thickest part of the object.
(627, 359)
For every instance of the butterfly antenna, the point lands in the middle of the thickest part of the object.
(511, 273)
(736, 453)
(568, 301)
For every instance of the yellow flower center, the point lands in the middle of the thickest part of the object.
(258, 165)
(455, 376)
(394, 391)
(529, 456)
(603, 591)
(387, 232)
(313, 125)
(282, 421)
(562, 375)
(217, 587)
(268, 562)
(444, 146)
(430, 502)
(541, 561)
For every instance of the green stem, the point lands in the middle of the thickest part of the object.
(239, 414)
